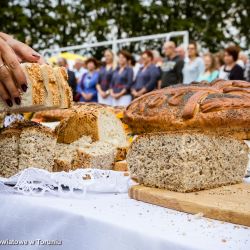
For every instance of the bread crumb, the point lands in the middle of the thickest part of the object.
(223, 240)
(86, 177)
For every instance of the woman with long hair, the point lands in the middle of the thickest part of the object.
(211, 73)
(146, 79)
(193, 66)
(105, 77)
(122, 80)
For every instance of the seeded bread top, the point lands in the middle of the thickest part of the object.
(221, 104)
(18, 127)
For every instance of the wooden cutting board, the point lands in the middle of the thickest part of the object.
(229, 203)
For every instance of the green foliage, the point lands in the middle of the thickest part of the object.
(64, 23)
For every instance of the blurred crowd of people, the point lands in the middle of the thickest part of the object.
(119, 79)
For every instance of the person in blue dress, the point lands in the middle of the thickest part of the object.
(147, 77)
(105, 77)
(86, 88)
(122, 81)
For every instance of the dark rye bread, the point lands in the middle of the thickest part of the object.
(222, 106)
(187, 161)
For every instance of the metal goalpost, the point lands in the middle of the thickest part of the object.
(115, 42)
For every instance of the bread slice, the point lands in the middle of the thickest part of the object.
(98, 122)
(98, 155)
(26, 144)
(66, 95)
(9, 144)
(66, 154)
(186, 162)
(121, 166)
(36, 148)
(51, 86)
(84, 154)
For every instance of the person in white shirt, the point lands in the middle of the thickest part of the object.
(194, 65)
(79, 69)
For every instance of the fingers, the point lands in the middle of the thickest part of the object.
(8, 89)
(13, 69)
(5, 95)
(41, 60)
(24, 52)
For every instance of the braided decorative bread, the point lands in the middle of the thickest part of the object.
(221, 107)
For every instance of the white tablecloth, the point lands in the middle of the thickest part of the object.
(111, 221)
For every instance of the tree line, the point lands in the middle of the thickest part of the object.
(46, 23)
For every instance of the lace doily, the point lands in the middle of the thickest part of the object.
(34, 181)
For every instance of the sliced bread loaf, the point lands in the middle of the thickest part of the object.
(44, 85)
(26, 144)
(66, 96)
(98, 122)
(34, 98)
(187, 162)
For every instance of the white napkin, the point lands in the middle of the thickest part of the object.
(34, 181)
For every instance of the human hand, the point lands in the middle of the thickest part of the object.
(114, 95)
(104, 94)
(22, 51)
(12, 78)
(88, 96)
(141, 92)
(134, 92)
(117, 96)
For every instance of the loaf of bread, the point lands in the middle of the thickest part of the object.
(99, 123)
(222, 107)
(47, 88)
(26, 144)
(53, 115)
(60, 114)
(187, 161)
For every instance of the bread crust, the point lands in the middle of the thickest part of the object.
(38, 88)
(222, 106)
